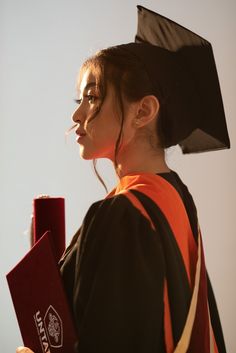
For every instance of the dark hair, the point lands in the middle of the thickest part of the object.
(124, 70)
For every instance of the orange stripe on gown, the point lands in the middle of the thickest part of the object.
(169, 201)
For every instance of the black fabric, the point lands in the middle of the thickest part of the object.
(69, 271)
(181, 67)
(174, 179)
(215, 319)
(113, 274)
(178, 286)
(117, 294)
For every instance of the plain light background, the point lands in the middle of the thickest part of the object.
(42, 45)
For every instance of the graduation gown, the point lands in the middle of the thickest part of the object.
(129, 272)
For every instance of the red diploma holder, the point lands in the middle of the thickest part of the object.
(40, 301)
(36, 286)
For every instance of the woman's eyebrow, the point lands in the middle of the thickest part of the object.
(89, 85)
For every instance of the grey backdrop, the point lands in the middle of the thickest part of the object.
(42, 46)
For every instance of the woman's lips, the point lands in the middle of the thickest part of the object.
(80, 137)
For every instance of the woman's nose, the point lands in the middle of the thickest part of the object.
(76, 116)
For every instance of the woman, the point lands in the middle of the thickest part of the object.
(134, 273)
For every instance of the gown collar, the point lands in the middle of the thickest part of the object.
(137, 180)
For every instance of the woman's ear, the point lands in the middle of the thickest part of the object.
(147, 110)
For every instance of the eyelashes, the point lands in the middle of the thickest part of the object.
(91, 99)
(78, 101)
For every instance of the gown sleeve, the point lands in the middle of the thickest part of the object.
(117, 284)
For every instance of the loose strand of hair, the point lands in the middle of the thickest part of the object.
(98, 175)
(119, 139)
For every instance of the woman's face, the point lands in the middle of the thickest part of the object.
(97, 138)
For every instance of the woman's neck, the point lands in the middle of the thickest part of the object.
(139, 157)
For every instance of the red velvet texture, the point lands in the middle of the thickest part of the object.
(49, 215)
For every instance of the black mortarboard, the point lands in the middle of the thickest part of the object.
(182, 70)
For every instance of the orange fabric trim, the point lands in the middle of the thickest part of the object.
(171, 204)
(169, 341)
(214, 340)
(169, 201)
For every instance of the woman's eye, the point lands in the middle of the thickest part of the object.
(91, 98)
(78, 101)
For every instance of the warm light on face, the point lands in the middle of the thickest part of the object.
(97, 131)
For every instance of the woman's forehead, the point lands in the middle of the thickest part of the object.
(86, 80)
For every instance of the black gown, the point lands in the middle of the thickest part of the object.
(114, 272)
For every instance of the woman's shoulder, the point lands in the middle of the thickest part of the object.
(111, 209)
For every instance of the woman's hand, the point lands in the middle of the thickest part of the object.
(23, 350)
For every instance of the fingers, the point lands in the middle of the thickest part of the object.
(23, 350)
(43, 196)
(32, 231)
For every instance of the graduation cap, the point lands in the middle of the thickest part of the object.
(181, 67)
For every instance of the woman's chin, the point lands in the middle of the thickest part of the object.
(85, 154)
(90, 155)
(86, 157)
